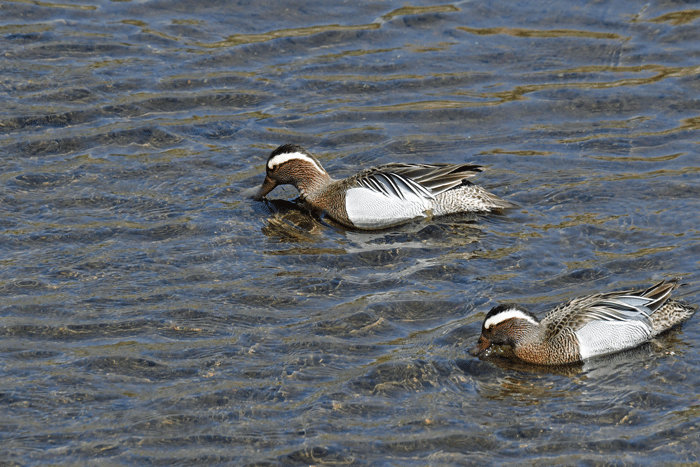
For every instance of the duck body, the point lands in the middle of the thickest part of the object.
(584, 327)
(382, 196)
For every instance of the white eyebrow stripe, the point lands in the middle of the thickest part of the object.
(280, 159)
(506, 315)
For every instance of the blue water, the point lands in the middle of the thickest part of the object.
(153, 314)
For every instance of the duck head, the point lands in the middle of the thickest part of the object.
(290, 164)
(505, 324)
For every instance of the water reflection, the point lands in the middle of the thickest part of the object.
(290, 224)
(547, 33)
(676, 18)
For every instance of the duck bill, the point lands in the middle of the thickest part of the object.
(267, 186)
(482, 346)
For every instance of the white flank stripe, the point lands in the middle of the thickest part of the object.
(508, 314)
(604, 337)
(280, 159)
(370, 209)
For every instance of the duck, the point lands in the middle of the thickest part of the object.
(584, 327)
(382, 196)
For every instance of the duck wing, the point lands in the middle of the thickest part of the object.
(609, 322)
(622, 306)
(423, 180)
(632, 304)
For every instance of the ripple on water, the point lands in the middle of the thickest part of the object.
(154, 314)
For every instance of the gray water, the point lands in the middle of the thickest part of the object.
(153, 314)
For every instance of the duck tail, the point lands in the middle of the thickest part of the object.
(667, 313)
(659, 293)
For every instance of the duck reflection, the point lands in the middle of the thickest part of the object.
(288, 224)
(499, 377)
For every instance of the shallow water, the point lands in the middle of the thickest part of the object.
(153, 314)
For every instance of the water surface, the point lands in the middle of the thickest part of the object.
(153, 314)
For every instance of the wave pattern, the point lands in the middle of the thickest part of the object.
(153, 314)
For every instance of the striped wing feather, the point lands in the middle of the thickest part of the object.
(424, 180)
(625, 306)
